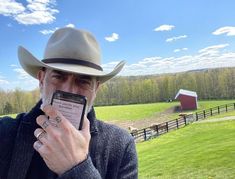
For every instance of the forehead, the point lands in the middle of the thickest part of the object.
(50, 71)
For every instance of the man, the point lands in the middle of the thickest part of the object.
(43, 143)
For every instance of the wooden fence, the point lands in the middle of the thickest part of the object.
(214, 111)
(162, 128)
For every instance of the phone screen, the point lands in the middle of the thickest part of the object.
(72, 106)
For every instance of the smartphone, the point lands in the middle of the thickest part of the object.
(72, 106)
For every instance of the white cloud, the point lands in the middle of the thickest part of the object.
(228, 30)
(180, 49)
(164, 28)
(24, 80)
(70, 25)
(210, 57)
(112, 38)
(35, 12)
(176, 38)
(4, 82)
(46, 32)
(213, 48)
(109, 66)
(10, 7)
(22, 75)
(51, 31)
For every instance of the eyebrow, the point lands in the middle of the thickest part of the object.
(77, 75)
(59, 72)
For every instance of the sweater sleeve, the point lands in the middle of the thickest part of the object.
(129, 165)
(86, 169)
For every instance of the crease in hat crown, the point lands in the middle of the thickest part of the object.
(69, 43)
(70, 50)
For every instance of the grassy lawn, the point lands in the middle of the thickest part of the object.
(142, 111)
(210, 104)
(197, 151)
(11, 115)
(131, 112)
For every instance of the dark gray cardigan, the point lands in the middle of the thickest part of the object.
(112, 150)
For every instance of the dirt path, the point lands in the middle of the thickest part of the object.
(159, 118)
(140, 124)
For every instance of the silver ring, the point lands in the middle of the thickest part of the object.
(38, 135)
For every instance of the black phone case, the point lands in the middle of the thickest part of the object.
(71, 97)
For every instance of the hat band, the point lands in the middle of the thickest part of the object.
(72, 61)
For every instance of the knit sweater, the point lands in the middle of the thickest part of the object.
(112, 152)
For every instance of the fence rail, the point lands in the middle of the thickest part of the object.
(162, 128)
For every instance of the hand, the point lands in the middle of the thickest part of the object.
(59, 143)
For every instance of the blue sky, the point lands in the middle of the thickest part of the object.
(152, 36)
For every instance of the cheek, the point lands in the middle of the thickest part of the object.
(90, 98)
(47, 91)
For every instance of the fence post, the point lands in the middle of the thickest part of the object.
(211, 112)
(157, 130)
(145, 135)
(177, 123)
(197, 116)
(167, 126)
(204, 114)
(226, 107)
(184, 120)
(218, 110)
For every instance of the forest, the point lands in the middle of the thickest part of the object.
(218, 83)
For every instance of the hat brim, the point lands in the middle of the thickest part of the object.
(32, 65)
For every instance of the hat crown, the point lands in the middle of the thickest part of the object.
(70, 50)
(70, 43)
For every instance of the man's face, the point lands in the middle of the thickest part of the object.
(52, 80)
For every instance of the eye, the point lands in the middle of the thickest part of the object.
(85, 83)
(57, 76)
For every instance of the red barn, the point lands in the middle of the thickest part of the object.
(188, 99)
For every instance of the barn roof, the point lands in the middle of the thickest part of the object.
(186, 92)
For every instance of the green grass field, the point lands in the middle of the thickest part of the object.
(142, 111)
(131, 112)
(205, 150)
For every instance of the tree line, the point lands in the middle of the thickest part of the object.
(208, 83)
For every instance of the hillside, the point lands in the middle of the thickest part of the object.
(200, 150)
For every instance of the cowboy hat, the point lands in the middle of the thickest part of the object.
(69, 50)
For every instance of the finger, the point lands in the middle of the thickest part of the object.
(55, 117)
(37, 145)
(43, 121)
(40, 148)
(86, 126)
(40, 134)
(51, 111)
